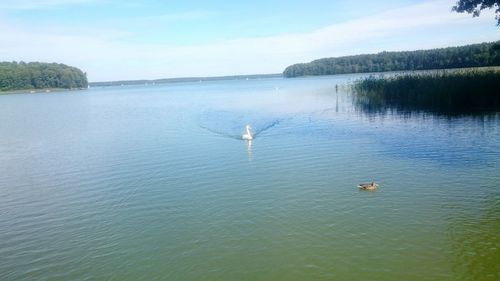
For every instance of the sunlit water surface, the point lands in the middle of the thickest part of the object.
(153, 182)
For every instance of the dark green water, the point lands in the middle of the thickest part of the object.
(152, 183)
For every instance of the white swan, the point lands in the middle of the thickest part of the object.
(248, 135)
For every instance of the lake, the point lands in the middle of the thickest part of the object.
(153, 182)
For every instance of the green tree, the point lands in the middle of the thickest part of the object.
(36, 75)
(475, 7)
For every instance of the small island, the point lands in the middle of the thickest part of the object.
(37, 76)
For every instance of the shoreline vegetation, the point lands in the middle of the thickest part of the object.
(445, 92)
(40, 77)
(475, 55)
(39, 91)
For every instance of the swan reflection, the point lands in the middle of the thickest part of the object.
(249, 150)
(248, 137)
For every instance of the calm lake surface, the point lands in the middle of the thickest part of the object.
(154, 182)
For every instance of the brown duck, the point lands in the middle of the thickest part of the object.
(368, 186)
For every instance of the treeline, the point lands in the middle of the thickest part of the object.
(183, 79)
(38, 75)
(476, 55)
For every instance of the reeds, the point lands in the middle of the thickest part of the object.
(450, 92)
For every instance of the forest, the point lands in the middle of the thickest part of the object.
(476, 55)
(38, 75)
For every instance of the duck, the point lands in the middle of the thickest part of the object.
(368, 186)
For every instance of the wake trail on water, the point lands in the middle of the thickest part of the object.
(220, 133)
(232, 124)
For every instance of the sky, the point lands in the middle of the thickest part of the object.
(152, 39)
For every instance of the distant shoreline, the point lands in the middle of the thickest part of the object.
(466, 56)
(38, 91)
(183, 79)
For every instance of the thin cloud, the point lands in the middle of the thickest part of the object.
(40, 4)
(193, 15)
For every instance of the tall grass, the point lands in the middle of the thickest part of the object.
(458, 92)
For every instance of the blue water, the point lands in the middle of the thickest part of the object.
(154, 182)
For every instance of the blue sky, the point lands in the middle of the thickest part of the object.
(114, 40)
